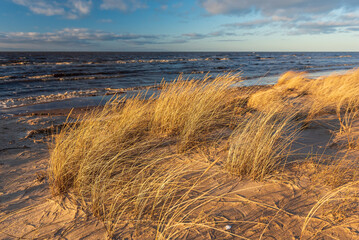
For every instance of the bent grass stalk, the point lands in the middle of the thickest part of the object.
(116, 160)
(258, 144)
(327, 198)
(191, 109)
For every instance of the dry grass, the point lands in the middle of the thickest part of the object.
(80, 149)
(119, 160)
(347, 112)
(294, 80)
(258, 144)
(321, 95)
(126, 162)
(268, 101)
(335, 171)
(191, 109)
(342, 203)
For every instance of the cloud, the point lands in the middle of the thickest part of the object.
(298, 27)
(123, 5)
(274, 7)
(291, 17)
(196, 36)
(71, 9)
(82, 7)
(74, 36)
(41, 7)
(252, 24)
(324, 27)
(83, 38)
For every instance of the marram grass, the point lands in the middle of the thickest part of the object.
(117, 160)
(260, 143)
(125, 162)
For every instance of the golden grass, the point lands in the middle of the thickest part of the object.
(260, 143)
(345, 198)
(125, 162)
(268, 100)
(119, 161)
(80, 149)
(293, 80)
(322, 94)
(347, 112)
(191, 109)
(335, 171)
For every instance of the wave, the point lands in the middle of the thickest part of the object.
(59, 77)
(265, 58)
(342, 56)
(18, 102)
(32, 100)
(41, 76)
(115, 62)
(33, 63)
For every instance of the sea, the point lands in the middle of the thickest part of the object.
(33, 81)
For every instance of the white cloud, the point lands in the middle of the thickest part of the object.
(323, 27)
(123, 5)
(74, 36)
(82, 7)
(196, 36)
(41, 7)
(71, 9)
(290, 16)
(274, 7)
(83, 38)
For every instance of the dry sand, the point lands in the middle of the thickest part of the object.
(27, 209)
(272, 209)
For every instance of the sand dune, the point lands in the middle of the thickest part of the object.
(311, 192)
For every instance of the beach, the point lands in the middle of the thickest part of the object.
(312, 193)
(159, 120)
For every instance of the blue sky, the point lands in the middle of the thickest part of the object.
(171, 25)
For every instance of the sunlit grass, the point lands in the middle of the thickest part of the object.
(127, 161)
(260, 143)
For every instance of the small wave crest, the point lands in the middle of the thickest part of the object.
(25, 101)
(341, 56)
(28, 63)
(18, 102)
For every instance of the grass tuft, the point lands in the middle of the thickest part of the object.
(191, 109)
(119, 160)
(258, 144)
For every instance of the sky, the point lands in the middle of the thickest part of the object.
(171, 25)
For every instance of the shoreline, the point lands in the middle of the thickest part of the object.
(64, 106)
(99, 99)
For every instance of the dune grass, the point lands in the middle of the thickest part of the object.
(190, 109)
(345, 198)
(81, 149)
(260, 143)
(321, 95)
(125, 162)
(119, 161)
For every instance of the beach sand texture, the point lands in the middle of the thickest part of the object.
(203, 161)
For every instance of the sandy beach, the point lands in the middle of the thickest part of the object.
(161, 120)
(312, 196)
(28, 210)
